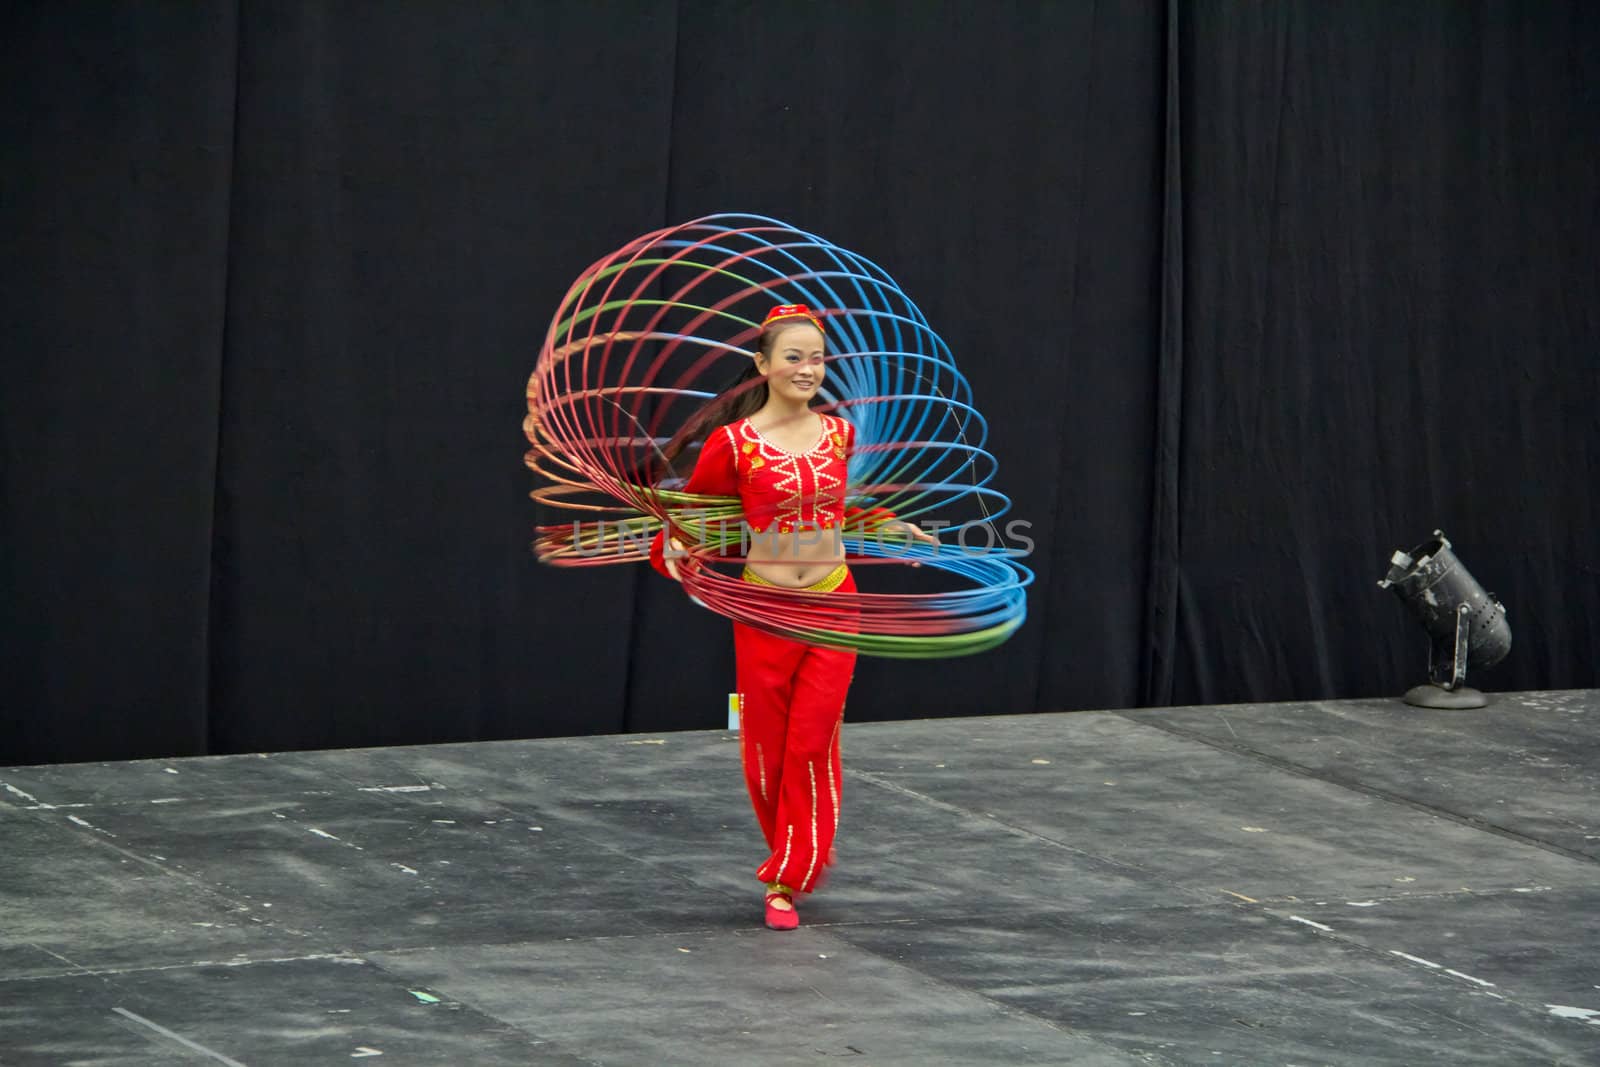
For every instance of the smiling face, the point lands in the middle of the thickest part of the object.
(791, 358)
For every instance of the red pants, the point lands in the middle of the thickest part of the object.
(791, 708)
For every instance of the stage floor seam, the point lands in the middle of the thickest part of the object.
(1009, 827)
(1365, 789)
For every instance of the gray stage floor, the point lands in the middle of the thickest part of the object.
(1327, 883)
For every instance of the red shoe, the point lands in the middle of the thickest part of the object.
(781, 918)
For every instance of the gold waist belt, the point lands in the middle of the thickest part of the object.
(833, 581)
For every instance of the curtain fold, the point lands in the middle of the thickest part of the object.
(117, 140)
(1166, 544)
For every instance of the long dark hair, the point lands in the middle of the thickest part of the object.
(739, 399)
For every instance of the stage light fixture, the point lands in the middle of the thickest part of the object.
(1466, 626)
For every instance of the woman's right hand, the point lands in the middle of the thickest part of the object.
(673, 545)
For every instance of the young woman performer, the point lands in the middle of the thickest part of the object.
(787, 465)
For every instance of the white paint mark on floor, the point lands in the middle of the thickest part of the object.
(167, 800)
(179, 1038)
(89, 825)
(396, 788)
(1469, 978)
(1362, 903)
(403, 867)
(1254, 829)
(171, 770)
(29, 797)
(1308, 922)
(322, 833)
(362, 1052)
(651, 741)
(1414, 959)
(1587, 1015)
(1042, 762)
(445, 822)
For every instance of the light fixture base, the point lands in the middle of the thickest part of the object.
(1460, 698)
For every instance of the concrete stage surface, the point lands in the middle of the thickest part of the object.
(1343, 882)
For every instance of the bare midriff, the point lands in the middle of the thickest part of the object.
(795, 558)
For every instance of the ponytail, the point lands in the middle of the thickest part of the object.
(739, 399)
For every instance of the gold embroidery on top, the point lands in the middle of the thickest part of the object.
(804, 499)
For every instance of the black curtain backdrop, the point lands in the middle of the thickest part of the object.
(1252, 294)
(1391, 324)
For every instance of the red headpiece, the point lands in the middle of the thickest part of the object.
(791, 311)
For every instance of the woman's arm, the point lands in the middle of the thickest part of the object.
(879, 520)
(863, 520)
(714, 475)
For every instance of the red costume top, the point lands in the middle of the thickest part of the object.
(778, 488)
